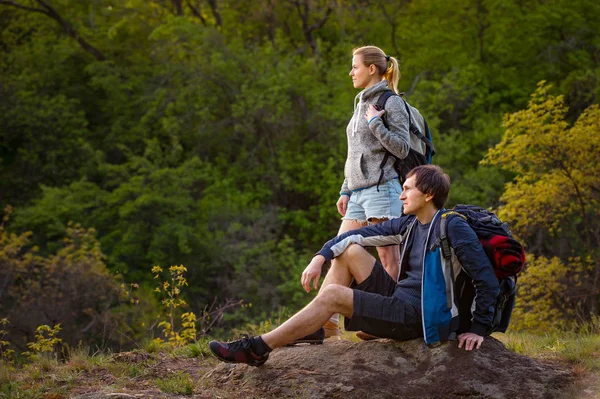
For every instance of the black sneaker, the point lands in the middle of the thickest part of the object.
(239, 351)
(315, 338)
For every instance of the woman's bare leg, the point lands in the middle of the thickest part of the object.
(389, 256)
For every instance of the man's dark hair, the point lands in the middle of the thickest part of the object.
(431, 179)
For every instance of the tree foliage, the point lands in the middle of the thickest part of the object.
(212, 133)
(555, 196)
(71, 287)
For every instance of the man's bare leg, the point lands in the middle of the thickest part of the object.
(332, 299)
(332, 325)
(354, 264)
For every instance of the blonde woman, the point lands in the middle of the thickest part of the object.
(371, 190)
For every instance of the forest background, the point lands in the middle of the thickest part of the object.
(211, 134)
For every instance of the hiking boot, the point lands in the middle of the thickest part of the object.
(365, 337)
(315, 338)
(331, 329)
(239, 351)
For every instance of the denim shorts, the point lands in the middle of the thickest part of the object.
(367, 203)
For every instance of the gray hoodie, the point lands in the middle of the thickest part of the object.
(367, 143)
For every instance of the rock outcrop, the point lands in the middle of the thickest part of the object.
(391, 369)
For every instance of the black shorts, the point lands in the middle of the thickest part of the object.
(378, 312)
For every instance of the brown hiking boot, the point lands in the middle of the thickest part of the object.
(331, 330)
(365, 337)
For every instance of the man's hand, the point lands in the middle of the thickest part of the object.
(312, 273)
(342, 204)
(469, 340)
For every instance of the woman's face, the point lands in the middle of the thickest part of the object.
(361, 74)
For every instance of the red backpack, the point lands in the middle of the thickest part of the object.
(506, 255)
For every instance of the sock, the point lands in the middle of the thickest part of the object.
(335, 319)
(259, 346)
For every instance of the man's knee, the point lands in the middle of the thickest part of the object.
(353, 251)
(332, 297)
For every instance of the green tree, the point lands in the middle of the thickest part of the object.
(553, 201)
(212, 133)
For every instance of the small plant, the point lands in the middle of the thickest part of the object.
(170, 288)
(129, 293)
(178, 383)
(6, 354)
(134, 370)
(79, 358)
(14, 390)
(188, 327)
(45, 341)
(195, 349)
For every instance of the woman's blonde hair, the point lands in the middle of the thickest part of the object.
(387, 66)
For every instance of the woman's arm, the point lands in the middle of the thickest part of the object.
(396, 137)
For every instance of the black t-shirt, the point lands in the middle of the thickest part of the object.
(409, 286)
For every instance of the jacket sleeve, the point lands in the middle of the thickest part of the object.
(395, 138)
(377, 235)
(475, 262)
(345, 189)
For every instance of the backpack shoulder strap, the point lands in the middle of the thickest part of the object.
(383, 97)
(382, 100)
(447, 253)
(430, 150)
(444, 242)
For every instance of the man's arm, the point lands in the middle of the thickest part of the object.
(475, 262)
(386, 233)
(377, 235)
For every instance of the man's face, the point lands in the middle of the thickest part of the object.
(413, 199)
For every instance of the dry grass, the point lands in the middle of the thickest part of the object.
(580, 350)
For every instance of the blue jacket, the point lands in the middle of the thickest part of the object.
(438, 308)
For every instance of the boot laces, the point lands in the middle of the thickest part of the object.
(242, 344)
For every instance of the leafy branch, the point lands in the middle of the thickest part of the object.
(50, 12)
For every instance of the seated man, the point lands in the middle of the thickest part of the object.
(416, 304)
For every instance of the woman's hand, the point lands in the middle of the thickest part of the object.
(372, 111)
(342, 204)
(312, 273)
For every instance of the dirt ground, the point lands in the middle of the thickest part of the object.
(344, 369)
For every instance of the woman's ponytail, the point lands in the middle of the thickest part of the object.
(392, 74)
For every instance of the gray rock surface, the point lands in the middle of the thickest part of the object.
(390, 369)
